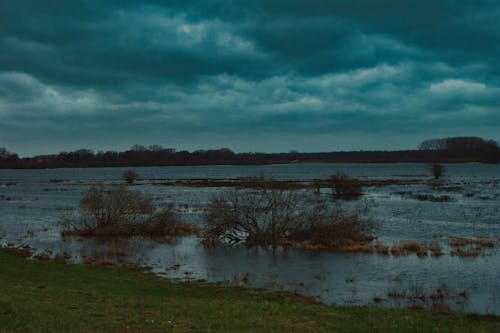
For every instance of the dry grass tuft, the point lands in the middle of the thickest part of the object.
(470, 247)
(405, 248)
(474, 251)
(381, 248)
(436, 250)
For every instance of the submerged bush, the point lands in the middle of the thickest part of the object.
(433, 198)
(117, 211)
(345, 187)
(280, 218)
(437, 170)
(113, 206)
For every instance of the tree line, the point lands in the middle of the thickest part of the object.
(445, 150)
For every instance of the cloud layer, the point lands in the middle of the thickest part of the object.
(249, 75)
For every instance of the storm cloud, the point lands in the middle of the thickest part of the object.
(249, 75)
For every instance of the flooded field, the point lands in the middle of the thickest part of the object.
(465, 206)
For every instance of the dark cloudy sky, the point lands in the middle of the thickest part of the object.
(256, 75)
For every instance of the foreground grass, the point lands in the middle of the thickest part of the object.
(44, 296)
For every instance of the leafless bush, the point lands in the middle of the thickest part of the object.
(280, 218)
(130, 176)
(345, 187)
(437, 170)
(117, 211)
(114, 206)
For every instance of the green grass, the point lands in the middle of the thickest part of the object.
(45, 296)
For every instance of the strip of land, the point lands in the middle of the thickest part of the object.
(45, 296)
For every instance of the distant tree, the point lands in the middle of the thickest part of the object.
(84, 154)
(433, 144)
(138, 148)
(155, 148)
(492, 153)
(170, 150)
(460, 143)
(437, 170)
(5, 154)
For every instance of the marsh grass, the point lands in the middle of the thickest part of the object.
(405, 248)
(381, 248)
(437, 300)
(432, 198)
(470, 247)
(436, 250)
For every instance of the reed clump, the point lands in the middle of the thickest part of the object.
(470, 247)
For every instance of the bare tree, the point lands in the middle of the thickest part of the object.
(437, 170)
(5, 154)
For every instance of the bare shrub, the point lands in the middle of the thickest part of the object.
(115, 206)
(280, 218)
(130, 176)
(117, 211)
(437, 170)
(345, 187)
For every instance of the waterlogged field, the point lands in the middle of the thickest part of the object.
(461, 216)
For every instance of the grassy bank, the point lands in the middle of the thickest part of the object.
(44, 296)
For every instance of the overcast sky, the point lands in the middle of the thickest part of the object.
(248, 75)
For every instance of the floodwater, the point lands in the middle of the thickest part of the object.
(34, 202)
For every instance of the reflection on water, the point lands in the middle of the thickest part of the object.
(31, 207)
